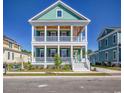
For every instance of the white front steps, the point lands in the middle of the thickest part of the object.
(81, 66)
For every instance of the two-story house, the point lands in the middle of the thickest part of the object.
(109, 44)
(61, 30)
(12, 52)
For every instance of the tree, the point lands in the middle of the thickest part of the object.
(58, 61)
(89, 51)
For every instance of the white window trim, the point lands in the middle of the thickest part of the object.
(113, 38)
(57, 14)
(107, 56)
(115, 55)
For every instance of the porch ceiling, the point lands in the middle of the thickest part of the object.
(76, 29)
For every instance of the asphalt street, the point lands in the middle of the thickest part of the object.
(62, 85)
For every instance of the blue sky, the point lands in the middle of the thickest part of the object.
(103, 13)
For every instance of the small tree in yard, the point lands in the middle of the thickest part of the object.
(58, 61)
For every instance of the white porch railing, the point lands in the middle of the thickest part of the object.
(65, 38)
(52, 38)
(61, 39)
(50, 59)
(38, 38)
(39, 59)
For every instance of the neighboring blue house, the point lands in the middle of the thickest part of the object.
(109, 44)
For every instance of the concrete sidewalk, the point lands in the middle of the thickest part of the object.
(104, 70)
(111, 72)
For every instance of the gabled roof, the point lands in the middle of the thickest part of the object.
(10, 40)
(64, 5)
(107, 30)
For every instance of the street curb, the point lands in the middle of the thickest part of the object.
(21, 77)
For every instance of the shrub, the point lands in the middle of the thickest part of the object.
(67, 67)
(58, 61)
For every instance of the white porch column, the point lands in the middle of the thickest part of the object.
(86, 51)
(45, 34)
(81, 53)
(32, 53)
(81, 36)
(58, 33)
(45, 56)
(86, 41)
(71, 32)
(32, 33)
(32, 44)
(71, 53)
(58, 50)
(86, 33)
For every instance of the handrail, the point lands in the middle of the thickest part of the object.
(61, 39)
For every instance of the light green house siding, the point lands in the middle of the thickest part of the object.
(51, 15)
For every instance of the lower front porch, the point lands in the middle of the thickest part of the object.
(45, 54)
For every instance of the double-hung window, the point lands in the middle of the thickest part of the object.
(106, 41)
(41, 52)
(64, 52)
(53, 52)
(8, 55)
(12, 56)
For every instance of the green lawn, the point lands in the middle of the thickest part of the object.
(61, 74)
(111, 68)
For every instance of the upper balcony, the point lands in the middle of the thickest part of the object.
(59, 34)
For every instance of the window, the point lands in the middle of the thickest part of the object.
(52, 33)
(52, 52)
(114, 38)
(41, 52)
(8, 55)
(59, 13)
(12, 56)
(64, 52)
(10, 45)
(63, 34)
(106, 41)
(114, 55)
(106, 55)
(41, 33)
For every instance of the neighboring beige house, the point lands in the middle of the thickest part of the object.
(12, 52)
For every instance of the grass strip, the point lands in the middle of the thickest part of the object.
(61, 74)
